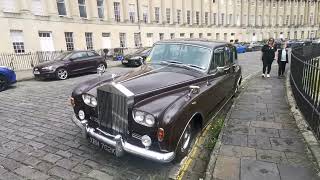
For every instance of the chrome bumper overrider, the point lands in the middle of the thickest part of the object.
(121, 145)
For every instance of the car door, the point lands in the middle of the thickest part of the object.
(78, 62)
(94, 60)
(229, 70)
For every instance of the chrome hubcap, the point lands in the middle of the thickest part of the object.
(186, 139)
(63, 74)
(102, 67)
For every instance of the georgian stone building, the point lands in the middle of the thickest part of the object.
(47, 25)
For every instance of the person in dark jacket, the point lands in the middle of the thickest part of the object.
(282, 60)
(268, 55)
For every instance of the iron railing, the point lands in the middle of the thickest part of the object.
(26, 61)
(305, 82)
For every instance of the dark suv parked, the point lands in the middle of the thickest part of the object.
(69, 63)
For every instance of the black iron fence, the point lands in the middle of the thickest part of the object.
(305, 82)
(26, 61)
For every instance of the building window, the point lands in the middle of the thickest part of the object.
(259, 20)
(311, 19)
(209, 34)
(222, 18)
(294, 19)
(302, 34)
(157, 14)
(161, 36)
(82, 8)
(188, 17)
(100, 9)
(132, 12)
(182, 35)
(168, 15)
(191, 35)
(301, 19)
(214, 18)
(145, 14)
(238, 19)
(37, 7)
(61, 8)
(206, 18)
(89, 43)
(69, 40)
(197, 17)
(178, 16)
(137, 39)
(17, 41)
(116, 6)
(171, 35)
(149, 35)
(217, 36)
(230, 19)
(225, 35)
(252, 20)
(122, 38)
(200, 35)
(287, 19)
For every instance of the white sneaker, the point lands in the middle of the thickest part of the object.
(268, 75)
(263, 75)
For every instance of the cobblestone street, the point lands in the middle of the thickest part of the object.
(39, 141)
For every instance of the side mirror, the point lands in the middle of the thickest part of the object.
(220, 69)
(194, 89)
(71, 59)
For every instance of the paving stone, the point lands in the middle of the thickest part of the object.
(2, 170)
(253, 170)
(297, 173)
(271, 156)
(32, 161)
(297, 160)
(66, 163)
(264, 124)
(44, 166)
(236, 140)
(12, 145)
(237, 151)
(266, 132)
(65, 154)
(10, 164)
(63, 173)
(264, 116)
(52, 158)
(10, 176)
(82, 169)
(99, 175)
(25, 171)
(227, 168)
(259, 142)
(287, 144)
(244, 115)
(283, 118)
(285, 133)
(238, 122)
(234, 130)
(18, 156)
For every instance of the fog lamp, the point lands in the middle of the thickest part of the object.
(146, 141)
(81, 115)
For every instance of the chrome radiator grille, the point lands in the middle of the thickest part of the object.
(112, 111)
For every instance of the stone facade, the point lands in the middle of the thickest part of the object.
(105, 22)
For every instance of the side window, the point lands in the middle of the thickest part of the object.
(218, 59)
(79, 55)
(228, 56)
(90, 54)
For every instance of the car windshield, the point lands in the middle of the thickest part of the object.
(62, 56)
(189, 55)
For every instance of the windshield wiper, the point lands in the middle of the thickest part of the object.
(195, 66)
(171, 61)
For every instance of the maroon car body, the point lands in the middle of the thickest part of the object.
(117, 111)
(70, 63)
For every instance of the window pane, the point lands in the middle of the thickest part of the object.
(61, 7)
(82, 8)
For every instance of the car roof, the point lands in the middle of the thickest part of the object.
(212, 44)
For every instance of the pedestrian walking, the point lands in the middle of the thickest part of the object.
(268, 55)
(282, 59)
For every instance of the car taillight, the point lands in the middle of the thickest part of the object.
(160, 134)
(72, 103)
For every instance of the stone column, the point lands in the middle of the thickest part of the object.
(92, 10)
(24, 6)
(109, 7)
(201, 13)
(192, 12)
(234, 12)
(52, 8)
(263, 13)
(74, 9)
(163, 11)
(210, 19)
(151, 11)
(183, 12)
(173, 12)
(256, 14)
(124, 11)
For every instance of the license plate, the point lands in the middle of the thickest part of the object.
(36, 72)
(103, 146)
(125, 61)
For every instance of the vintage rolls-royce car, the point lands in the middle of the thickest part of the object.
(156, 110)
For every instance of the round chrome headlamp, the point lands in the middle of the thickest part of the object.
(81, 115)
(89, 100)
(149, 120)
(146, 141)
(143, 118)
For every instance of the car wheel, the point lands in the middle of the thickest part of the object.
(62, 74)
(102, 67)
(3, 83)
(186, 142)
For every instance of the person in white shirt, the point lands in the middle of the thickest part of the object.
(282, 59)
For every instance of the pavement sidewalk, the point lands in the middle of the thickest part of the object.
(260, 139)
(24, 75)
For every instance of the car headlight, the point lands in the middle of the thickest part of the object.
(89, 100)
(143, 118)
(136, 58)
(50, 68)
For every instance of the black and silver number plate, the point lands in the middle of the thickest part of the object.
(102, 145)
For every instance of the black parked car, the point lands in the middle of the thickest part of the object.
(137, 58)
(69, 63)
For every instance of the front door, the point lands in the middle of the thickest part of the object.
(79, 63)
(46, 42)
(106, 41)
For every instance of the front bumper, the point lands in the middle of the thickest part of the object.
(121, 145)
